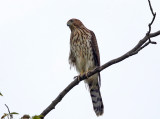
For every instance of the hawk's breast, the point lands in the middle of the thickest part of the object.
(82, 51)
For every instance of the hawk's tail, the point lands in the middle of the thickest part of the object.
(96, 100)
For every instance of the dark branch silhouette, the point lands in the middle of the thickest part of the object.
(141, 44)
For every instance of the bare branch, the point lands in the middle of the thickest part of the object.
(150, 6)
(154, 16)
(140, 45)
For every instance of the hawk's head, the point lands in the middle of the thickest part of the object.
(74, 23)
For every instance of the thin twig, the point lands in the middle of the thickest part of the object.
(154, 16)
(149, 26)
(9, 112)
(150, 6)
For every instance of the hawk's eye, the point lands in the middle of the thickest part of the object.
(71, 20)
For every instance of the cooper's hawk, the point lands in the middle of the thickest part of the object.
(84, 55)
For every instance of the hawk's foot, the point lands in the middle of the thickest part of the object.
(77, 77)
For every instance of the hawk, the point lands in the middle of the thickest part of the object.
(84, 55)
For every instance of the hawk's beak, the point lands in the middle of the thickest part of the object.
(68, 23)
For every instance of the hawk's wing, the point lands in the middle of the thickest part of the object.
(96, 55)
(95, 49)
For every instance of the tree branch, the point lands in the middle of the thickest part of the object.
(140, 45)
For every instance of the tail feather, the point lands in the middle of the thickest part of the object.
(97, 100)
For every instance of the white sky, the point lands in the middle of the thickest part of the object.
(34, 49)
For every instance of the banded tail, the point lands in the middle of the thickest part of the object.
(96, 100)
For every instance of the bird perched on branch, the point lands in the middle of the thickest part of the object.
(84, 55)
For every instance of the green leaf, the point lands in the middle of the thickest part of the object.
(1, 94)
(37, 117)
(14, 113)
(41, 116)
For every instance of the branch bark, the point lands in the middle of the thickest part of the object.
(145, 41)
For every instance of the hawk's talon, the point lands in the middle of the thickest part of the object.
(87, 74)
(95, 68)
(77, 77)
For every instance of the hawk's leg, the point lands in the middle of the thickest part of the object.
(86, 73)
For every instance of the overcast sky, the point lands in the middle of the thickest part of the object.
(34, 50)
